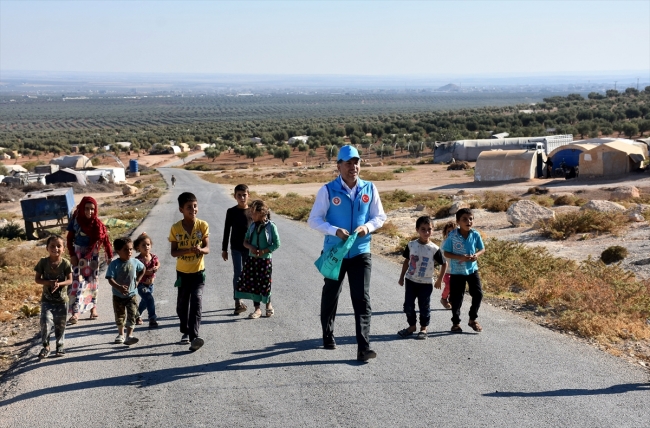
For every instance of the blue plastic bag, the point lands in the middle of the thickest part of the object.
(329, 263)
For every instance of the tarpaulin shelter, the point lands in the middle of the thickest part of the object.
(66, 175)
(611, 159)
(468, 150)
(507, 165)
(569, 154)
(76, 161)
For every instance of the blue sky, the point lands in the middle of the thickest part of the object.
(328, 37)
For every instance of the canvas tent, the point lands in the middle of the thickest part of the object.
(76, 161)
(604, 140)
(113, 174)
(66, 175)
(611, 159)
(507, 165)
(569, 154)
(14, 168)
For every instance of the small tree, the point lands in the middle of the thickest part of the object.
(282, 153)
(212, 153)
(644, 126)
(253, 152)
(182, 155)
(630, 129)
(331, 151)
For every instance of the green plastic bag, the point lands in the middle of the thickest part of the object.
(329, 263)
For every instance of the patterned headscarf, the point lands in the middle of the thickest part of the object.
(93, 226)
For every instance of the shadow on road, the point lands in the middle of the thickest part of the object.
(615, 389)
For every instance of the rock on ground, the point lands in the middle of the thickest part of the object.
(625, 192)
(527, 212)
(603, 206)
(129, 190)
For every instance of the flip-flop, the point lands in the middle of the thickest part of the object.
(254, 315)
(404, 332)
(270, 312)
(475, 326)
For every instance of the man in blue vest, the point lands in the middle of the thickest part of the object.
(343, 206)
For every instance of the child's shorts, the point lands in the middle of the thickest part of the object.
(125, 309)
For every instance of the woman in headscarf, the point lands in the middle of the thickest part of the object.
(86, 234)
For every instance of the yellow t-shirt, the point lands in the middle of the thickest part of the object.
(189, 263)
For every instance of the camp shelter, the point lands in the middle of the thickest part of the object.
(76, 161)
(66, 175)
(468, 150)
(507, 165)
(14, 168)
(604, 140)
(201, 146)
(115, 174)
(570, 154)
(611, 159)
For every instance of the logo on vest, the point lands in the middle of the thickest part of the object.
(336, 201)
(365, 199)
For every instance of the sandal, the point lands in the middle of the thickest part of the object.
(475, 326)
(421, 335)
(45, 352)
(254, 315)
(240, 309)
(456, 329)
(60, 352)
(138, 321)
(445, 303)
(93, 314)
(270, 312)
(73, 320)
(405, 332)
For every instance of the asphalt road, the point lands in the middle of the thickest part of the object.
(273, 371)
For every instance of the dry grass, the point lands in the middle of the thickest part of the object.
(292, 205)
(17, 286)
(497, 201)
(565, 225)
(589, 298)
(389, 229)
(543, 201)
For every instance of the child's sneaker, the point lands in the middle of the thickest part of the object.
(185, 339)
(445, 303)
(196, 344)
(60, 352)
(153, 324)
(45, 352)
(240, 309)
(131, 340)
(119, 338)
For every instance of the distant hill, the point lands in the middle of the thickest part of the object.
(449, 88)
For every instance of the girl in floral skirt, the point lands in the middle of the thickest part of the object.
(86, 234)
(261, 240)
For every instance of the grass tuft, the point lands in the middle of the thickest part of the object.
(589, 221)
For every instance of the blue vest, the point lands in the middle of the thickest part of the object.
(348, 214)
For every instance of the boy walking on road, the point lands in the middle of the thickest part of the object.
(189, 242)
(463, 246)
(417, 270)
(343, 206)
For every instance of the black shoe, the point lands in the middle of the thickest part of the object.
(329, 342)
(366, 355)
(185, 339)
(196, 344)
(153, 324)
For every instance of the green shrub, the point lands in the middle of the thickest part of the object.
(12, 231)
(565, 200)
(589, 221)
(613, 254)
(497, 201)
(273, 195)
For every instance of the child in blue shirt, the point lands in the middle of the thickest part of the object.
(124, 274)
(462, 247)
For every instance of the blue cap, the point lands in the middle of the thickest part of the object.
(348, 152)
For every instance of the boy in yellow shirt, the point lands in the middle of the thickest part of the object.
(189, 241)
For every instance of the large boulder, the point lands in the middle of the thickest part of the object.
(603, 206)
(458, 205)
(527, 212)
(129, 190)
(624, 193)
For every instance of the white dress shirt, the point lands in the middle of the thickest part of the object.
(322, 204)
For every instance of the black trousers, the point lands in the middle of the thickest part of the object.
(190, 301)
(358, 270)
(457, 292)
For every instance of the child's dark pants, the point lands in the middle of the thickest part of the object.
(457, 292)
(189, 302)
(422, 292)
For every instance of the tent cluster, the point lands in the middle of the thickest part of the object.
(67, 169)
